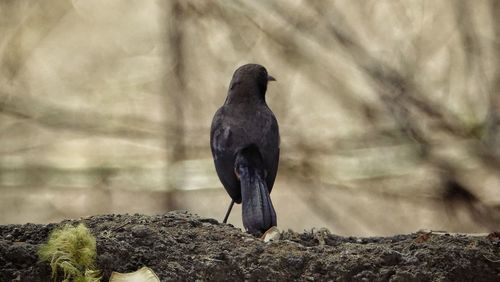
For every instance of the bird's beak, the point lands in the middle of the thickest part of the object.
(270, 78)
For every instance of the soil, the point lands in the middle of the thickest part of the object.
(180, 246)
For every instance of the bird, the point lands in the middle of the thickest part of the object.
(245, 145)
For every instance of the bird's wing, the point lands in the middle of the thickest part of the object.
(271, 151)
(222, 152)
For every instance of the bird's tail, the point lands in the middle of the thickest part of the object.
(257, 208)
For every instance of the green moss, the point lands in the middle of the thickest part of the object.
(71, 250)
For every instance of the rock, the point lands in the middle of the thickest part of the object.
(180, 246)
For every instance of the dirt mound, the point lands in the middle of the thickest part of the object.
(179, 246)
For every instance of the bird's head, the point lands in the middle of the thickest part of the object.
(250, 79)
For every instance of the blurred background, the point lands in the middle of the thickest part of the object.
(388, 110)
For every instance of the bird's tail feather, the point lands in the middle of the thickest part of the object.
(257, 208)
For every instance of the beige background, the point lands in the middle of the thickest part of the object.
(388, 110)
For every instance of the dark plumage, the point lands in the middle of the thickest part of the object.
(245, 146)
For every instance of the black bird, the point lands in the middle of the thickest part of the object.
(245, 146)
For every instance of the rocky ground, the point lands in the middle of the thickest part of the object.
(179, 246)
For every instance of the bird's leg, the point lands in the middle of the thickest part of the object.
(232, 201)
(228, 211)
